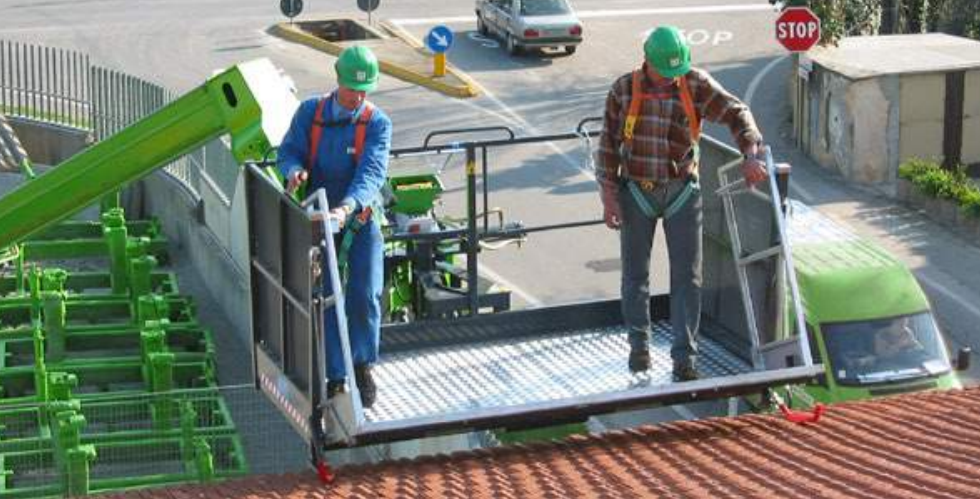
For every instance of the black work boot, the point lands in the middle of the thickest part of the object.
(365, 385)
(685, 372)
(335, 386)
(639, 359)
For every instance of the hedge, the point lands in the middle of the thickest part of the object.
(934, 180)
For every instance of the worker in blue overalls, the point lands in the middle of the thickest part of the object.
(340, 142)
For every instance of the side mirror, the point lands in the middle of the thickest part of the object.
(963, 359)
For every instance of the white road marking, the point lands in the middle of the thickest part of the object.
(597, 14)
(754, 84)
(532, 301)
(932, 283)
(422, 21)
(706, 9)
(482, 40)
(697, 37)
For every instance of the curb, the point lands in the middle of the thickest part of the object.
(468, 88)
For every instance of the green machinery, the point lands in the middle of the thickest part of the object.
(423, 279)
(107, 380)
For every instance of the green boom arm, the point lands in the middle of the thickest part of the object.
(251, 101)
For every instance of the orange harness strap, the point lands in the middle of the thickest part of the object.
(316, 131)
(637, 100)
(692, 117)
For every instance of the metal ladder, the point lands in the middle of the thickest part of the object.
(781, 250)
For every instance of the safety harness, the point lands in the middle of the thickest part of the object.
(692, 185)
(355, 222)
(318, 124)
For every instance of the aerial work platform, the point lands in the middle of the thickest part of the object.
(552, 365)
(527, 368)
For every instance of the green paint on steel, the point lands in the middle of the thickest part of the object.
(115, 233)
(251, 102)
(75, 229)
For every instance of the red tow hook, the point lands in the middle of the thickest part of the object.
(325, 473)
(803, 417)
(798, 417)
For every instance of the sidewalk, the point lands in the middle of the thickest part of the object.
(947, 266)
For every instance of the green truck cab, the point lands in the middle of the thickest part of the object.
(868, 320)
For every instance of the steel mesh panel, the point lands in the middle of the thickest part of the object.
(508, 372)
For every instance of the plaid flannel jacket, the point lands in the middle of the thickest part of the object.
(662, 144)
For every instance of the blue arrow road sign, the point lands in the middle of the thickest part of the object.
(439, 39)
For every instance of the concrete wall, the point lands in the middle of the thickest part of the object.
(865, 128)
(923, 99)
(852, 126)
(213, 239)
(49, 144)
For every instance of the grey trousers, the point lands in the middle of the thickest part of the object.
(683, 233)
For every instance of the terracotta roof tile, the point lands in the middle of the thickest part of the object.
(914, 446)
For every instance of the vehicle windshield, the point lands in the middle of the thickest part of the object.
(886, 350)
(544, 7)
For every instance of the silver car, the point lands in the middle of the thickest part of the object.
(525, 24)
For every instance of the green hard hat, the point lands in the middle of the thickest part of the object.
(357, 69)
(668, 52)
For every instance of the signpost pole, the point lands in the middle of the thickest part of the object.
(440, 64)
(439, 40)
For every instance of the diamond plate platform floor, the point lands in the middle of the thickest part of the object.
(511, 372)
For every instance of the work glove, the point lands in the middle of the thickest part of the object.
(611, 212)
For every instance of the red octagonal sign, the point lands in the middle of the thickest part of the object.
(798, 29)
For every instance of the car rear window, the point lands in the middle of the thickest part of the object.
(544, 7)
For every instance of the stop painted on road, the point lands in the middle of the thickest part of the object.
(696, 37)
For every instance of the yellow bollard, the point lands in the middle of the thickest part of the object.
(439, 64)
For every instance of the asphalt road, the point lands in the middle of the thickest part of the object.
(178, 43)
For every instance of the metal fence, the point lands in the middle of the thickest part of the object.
(63, 87)
(46, 84)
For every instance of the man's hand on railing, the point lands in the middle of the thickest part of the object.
(295, 180)
(753, 169)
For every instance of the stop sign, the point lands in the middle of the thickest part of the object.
(798, 29)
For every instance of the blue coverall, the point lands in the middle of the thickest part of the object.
(358, 186)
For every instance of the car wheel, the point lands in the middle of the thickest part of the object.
(570, 49)
(481, 27)
(512, 47)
